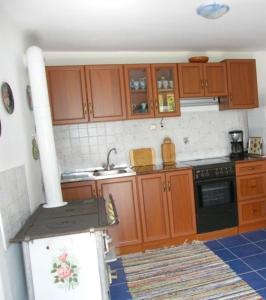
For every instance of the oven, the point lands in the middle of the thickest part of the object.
(215, 197)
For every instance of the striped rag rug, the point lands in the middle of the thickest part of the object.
(187, 272)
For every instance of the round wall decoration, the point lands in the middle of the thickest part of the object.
(7, 97)
(29, 99)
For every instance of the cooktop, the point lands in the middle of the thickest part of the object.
(208, 161)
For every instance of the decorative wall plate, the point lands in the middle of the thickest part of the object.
(35, 149)
(29, 99)
(255, 145)
(7, 97)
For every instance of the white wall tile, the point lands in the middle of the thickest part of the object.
(207, 134)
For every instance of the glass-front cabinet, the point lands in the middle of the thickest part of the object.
(139, 91)
(165, 90)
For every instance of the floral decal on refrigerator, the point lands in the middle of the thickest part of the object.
(65, 271)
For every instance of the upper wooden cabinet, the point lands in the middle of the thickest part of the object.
(242, 84)
(152, 91)
(105, 91)
(67, 94)
(165, 90)
(202, 80)
(139, 91)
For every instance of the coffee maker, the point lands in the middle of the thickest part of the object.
(237, 145)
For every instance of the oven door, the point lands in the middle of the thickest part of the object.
(216, 206)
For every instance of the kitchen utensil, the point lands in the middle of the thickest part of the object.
(168, 152)
(198, 59)
(142, 157)
(237, 146)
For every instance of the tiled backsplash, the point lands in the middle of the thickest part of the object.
(14, 204)
(205, 134)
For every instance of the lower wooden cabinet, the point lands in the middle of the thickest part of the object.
(124, 192)
(80, 190)
(153, 206)
(252, 211)
(251, 194)
(167, 205)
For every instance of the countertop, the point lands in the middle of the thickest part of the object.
(75, 217)
(164, 168)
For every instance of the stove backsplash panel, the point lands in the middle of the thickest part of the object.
(195, 134)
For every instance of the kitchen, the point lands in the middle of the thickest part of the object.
(88, 143)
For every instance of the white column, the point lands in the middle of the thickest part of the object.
(44, 129)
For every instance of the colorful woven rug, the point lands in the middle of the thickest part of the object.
(186, 272)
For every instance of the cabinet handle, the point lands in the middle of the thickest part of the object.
(85, 109)
(151, 105)
(206, 83)
(251, 169)
(202, 83)
(99, 192)
(90, 108)
(169, 186)
(231, 97)
(94, 193)
(164, 187)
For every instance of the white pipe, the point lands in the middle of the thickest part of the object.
(44, 129)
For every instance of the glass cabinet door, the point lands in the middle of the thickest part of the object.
(165, 87)
(139, 91)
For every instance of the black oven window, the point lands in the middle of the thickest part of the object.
(215, 193)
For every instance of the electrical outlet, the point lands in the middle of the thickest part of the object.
(186, 140)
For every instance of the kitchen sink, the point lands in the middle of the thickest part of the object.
(109, 172)
(97, 173)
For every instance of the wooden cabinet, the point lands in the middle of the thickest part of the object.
(202, 80)
(153, 206)
(124, 192)
(152, 90)
(67, 92)
(165, 90)
(167, 205)
(139, 95)
(251, 194)
(81, 190)
(242, 84)
(105, 91)
(181, 204)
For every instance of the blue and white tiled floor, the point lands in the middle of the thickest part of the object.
(244, 253)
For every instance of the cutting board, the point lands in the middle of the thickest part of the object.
(142, 157)
(168, 151)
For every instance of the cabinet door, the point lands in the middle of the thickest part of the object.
(181, 203)
(153, 205)
(251, 186)
(106, 95)
(81, 190)
(67, 94)
(242, 84)
(215, 79)
(165, 90)
(191, 83)
(139, 91)
(252, 211)
(124, 192)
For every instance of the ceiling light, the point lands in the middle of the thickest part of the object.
(212, 10)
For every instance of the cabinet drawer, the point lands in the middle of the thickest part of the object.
(250, 167)
(251, 186)
(252, 211)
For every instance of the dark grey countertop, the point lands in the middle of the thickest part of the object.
(75, 217)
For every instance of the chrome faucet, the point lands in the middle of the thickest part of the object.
(109, 166)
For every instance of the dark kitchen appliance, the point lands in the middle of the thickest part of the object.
(237, 146)
(215, 194)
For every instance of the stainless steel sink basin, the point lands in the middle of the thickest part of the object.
(75, 175)
(109, 172)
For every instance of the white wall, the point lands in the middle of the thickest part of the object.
(15, 150)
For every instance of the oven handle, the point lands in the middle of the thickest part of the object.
(227, 178)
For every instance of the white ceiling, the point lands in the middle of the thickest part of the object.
(137, 25)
